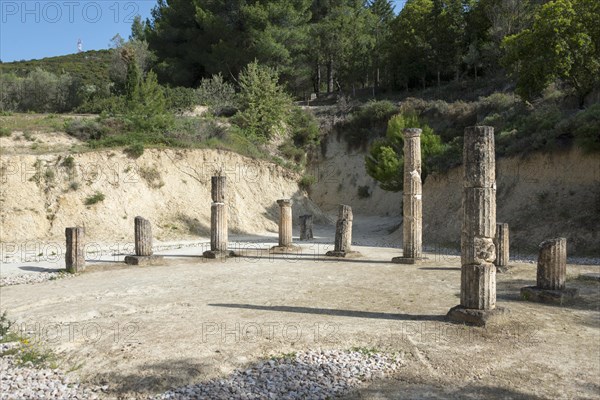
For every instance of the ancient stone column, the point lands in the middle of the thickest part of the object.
(218, 186)
(502, 243)
(551, 274)
(143, 237)
(74, 256)
(412, 204)
(218, 227)
(285, 222)
(478, 253)
(552, 264)
(306, 222)
(343, 233)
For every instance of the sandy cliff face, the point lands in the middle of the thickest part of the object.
(43, 194)
(540, 197)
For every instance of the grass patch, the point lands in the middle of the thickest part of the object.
(95, 198)
(5, 132)
(366, 351)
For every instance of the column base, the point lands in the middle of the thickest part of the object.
(343, 254)
(408, 260)
(554, 296)
(286, 249)
(472, 316)
(144, 260)
(218, 254)
(309, 237)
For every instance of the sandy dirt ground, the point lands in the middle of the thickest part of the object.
(143, 330)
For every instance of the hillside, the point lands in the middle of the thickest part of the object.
(89, 66)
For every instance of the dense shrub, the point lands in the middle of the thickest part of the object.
(218, 95)
(368, 123)
(85, 129)
(180, 99)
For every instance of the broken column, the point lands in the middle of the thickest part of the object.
(412, 202)
(502, 243)
(74, 256)
(219, 240)
(285, 227)
(306, 222)
(343, 233)
(143, 244)
(478, 272)
(551, 274)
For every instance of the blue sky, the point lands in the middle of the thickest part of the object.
(31, 29)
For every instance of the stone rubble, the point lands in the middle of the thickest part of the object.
(308, 375)
(29, 382)
(23, 279)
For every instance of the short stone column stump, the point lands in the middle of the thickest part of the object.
(285, 229)
(551, 275)
(343, 234)
(143, 245)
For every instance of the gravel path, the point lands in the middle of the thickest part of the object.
(22, 279)
(29, 382)
(307, 375)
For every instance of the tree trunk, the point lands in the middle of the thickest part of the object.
(317, 82)
(438, 78)
(330, 76)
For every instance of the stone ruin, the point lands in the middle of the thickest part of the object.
(285, 228)
(343, 234)
(143, 244)
(219, 239)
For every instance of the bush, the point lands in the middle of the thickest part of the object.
(135, 150)
(586, 128)
(180, 99)
(368, 123)
(218, 95)
(265, 105)
(85, 129)
(5, 132)
(364, 192)
(95, 198)
(68, 162)
(306, 182)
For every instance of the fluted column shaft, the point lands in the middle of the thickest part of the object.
(285, 222)
(143, 237)
(74, 256)
(306, 224)
(412, 205)
(218, 227)
(502, 243)
(343, 229)
(552, 264)
(218, 187)
(478, 273)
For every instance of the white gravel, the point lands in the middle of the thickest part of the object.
(25, 381)
(307, 375)
(22, 279)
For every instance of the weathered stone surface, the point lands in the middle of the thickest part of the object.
(479, 159)
(343, 234)
(552, 264)
(218, 254)
(412, 205)
(478, 286)
(478, 273)
(218, 187)
(74, 256)
(476, 317)
(144, 260)
(306, 224)
(143, 237)
(285, 222)
(536, 294)
(502, 243)
(218, 227)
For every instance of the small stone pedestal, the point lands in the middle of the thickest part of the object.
(306, 224)
(472, 316)
(285, 228)
(502, 243)
(143, 245)
(74, 256)
(551, 275)
(343, 234)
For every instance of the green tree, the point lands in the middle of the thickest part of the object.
(265, 105)
(385, 161)
(563, 43)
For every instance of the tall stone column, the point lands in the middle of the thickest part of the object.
(502, 243)
(74, 256)
(551, 274)
(143, 244)
(478, 272)
(412, 201)
(218, 220)
(285, 227)
(306, 223)
(343, 233)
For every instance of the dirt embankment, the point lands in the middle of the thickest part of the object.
(43, 194)
(540, 196)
